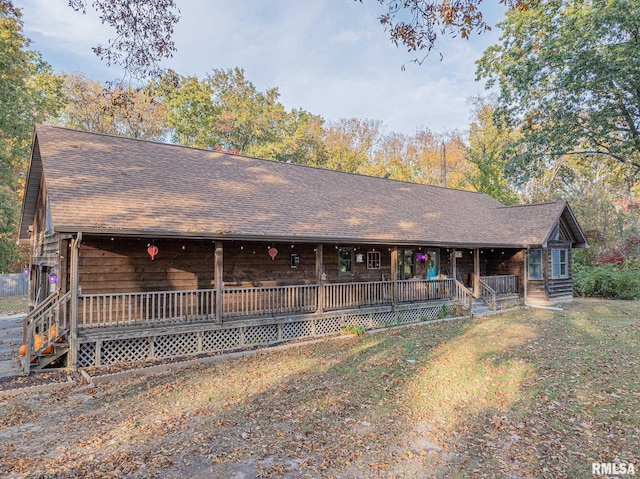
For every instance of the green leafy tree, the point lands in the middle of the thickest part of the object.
(190, 107)
(225, 110)
(486, 149)
(29, 94)
(249, 120)
(301, 140)
(568, 73)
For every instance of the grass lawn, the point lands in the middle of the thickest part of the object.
(532, 393)
(14, 304)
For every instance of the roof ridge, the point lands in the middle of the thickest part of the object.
(240, 155)
(531, 204)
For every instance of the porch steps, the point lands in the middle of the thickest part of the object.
(40, 360)
(479, 308)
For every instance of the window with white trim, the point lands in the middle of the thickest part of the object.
(534, 265)
(559, 263)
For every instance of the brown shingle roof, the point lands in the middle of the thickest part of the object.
(103, 183)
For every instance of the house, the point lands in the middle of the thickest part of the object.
(143, 250)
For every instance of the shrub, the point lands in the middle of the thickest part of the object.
(606, 281)
(353, 329)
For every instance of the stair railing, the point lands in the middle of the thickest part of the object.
(463, 296)
(487, 295)
(50, 321)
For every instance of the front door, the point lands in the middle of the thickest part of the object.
(433, 263)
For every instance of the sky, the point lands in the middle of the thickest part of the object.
(329, 57)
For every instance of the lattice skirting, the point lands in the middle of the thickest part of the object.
(145, 344)
(508, 302)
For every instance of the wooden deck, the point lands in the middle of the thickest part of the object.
(130, 327)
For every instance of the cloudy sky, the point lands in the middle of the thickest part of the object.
(330, 57)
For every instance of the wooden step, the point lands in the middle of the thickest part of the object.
(44, 360)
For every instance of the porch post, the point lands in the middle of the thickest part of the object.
(454, 266)
(394, 273)
(526, 273)
(476, 272)
(73, 320)
(218, 270)
(319, 271)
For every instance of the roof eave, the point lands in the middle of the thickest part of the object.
(581, 240)
(213, 236)
(27, 212)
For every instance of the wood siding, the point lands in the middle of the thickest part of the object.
(548, 289)
(504, 261)
(45, 245)
(560, 288)
(123, 265)
(360, 271)
(464, 267)
(249, 264)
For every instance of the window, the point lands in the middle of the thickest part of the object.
(559, 263)
(535, 264)
(345, 261)
(373, 259)
(406, 264)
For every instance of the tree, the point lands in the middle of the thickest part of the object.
(568, 73)
(113, 109)
(248, 120)
(190, 109)
(30, 93)
(416, 24)
(350, 144)
(144, 28)
(487, 149)
(143, 33)
(226, 111)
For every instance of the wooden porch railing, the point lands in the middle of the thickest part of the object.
(502, 284)
(241, 302)
(121, 309)
(350, 295)
(424, 290)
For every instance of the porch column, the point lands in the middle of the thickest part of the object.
(454, 266)
(476, 272)
(218, 270)
(394, 273)
(73, 319)
(319, 271)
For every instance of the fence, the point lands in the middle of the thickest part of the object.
(16, 284)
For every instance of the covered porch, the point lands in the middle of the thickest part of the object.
(233, 303)
(113, 308)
